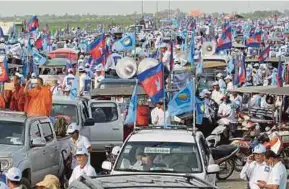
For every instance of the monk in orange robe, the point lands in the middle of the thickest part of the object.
(40, 103)
(18, 98)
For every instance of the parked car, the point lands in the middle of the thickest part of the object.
(105, 114)
(171, 149)
(133, 181)
(30, 144)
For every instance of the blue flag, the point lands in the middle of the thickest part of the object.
(131, 116)
(125, 43)
(38, 59)
(199, 111)
(182, 102)
(74, 88)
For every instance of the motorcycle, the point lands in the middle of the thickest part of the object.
(111, 153)
(220, 135)
(225, 156)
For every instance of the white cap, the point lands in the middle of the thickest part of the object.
(215, 83)
(70, 70)
(219, 75)
(87, 65)
(228, 77)
(202, 95)
(206, 91)
(98, 68)
(14, 174)
(178, 46)
(72, 127)
(81, 57)
(82, 151)
(259, 149)
(33, 75)
(162, 45)
(80, 68)
(3, 185)
(256, 65)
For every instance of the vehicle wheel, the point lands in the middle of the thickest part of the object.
(26, 183)
(226, 169)
(239, 164)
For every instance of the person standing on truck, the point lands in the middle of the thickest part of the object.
(84, 81)
(40, 103)
(14, 176)
(78, 141)
(84, 167)
(68, 79)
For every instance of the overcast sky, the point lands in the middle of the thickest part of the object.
(10, 8)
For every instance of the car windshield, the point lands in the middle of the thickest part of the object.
(159, 157)
(12, 133)
(69, 111)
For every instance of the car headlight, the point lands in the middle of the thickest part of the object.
(5, 164)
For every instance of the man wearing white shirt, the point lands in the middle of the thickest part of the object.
(84, 167)
(217, 94)
(256, 168)
(77, 141)
(154, 113)
(229, 82)
(278, 175)
(84, 81)
(98, 77)
(68, 79)
(112, 61)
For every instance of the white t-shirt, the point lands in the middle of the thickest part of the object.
(255, 172)
(226, 110)
(97, 80)
(230, 86)
(217, 96)
(278, 176)
(68, 78)
(82, 80)
(88, 170)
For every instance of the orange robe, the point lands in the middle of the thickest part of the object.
(40, 103)
(2, 102)
(18, 99)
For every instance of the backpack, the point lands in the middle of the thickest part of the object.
(60, 126)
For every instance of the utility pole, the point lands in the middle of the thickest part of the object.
(142, 7)
(169, 9)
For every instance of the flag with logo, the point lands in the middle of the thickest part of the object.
(38, 59)
(200, 108)
(182, 102)
(132, 109)
(255, 40)
(225, 41)
(152, 82)
(74, 88)
(33, 23)
(127, 42)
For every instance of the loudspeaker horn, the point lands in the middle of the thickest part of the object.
(146, 64)
(208, 48)
(126, 68)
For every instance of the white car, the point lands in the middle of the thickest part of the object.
(165, 150)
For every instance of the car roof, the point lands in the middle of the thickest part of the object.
(146, 181)
(164, 135)
(13, 116)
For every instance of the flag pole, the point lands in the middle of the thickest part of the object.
(135, 115)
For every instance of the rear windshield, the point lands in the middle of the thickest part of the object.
(103, 112)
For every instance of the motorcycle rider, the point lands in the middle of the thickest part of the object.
(256, 168)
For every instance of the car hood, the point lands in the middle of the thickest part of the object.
(7, 150)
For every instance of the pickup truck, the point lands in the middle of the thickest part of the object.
(108, 122)
(30, 144)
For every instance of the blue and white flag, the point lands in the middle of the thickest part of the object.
(132, 109)
(38, 59)
(127, 42)
(182, 102)
(74, 88)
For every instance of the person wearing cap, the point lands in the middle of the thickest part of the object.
(217, 94)
(228, 80)
(255, 168)
(221, 81)
(165, 56)
(68, 78)
(98, 76)
(111, 62)
(83, 167)
(277, 178)
(84, 81)
(154, 113)
(55, 88)
(87, 69)
(40, 99)
(78, 141)
(49, 182)
(235, 97)
(14, 176)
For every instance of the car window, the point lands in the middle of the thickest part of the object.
(12, 133)
(67, 110)
(175, 157)
(103, 112)
(47, 132)
(35, 131)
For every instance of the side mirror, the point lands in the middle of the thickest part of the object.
(213, 169)
(106, 165)
(37, 142)
(89, 122)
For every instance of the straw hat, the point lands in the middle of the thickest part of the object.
(49, 181)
